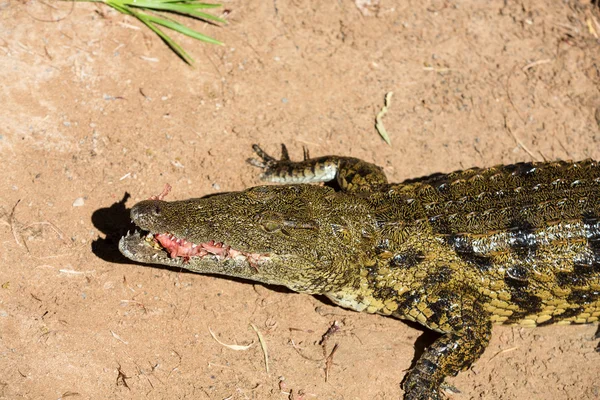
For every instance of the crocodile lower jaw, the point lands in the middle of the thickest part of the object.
(167, 249)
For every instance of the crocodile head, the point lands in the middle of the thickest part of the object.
(308, 238)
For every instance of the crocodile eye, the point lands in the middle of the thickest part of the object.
(271, 226)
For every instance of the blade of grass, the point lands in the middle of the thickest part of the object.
(117, 7)
(179, 8)
(183, 7)
(195, 2)
(174, 46)
(176, 26)
(378, 119)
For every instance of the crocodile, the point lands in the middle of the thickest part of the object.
(456, 252)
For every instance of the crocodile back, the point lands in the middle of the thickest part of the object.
(524, 237)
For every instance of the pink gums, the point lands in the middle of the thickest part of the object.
(182, 248)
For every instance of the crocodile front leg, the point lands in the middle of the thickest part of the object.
(351, 174)
(455, 351)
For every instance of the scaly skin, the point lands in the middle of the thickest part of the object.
(516, 244)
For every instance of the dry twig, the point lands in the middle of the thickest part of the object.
(235, 347)
(329, 361)
(502, 352)
(535, 63)
(518, 141)
(263, 346)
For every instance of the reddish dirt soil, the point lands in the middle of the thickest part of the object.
(98, 114)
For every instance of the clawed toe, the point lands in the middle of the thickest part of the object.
(266, 161)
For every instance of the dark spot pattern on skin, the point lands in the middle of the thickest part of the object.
(463, 358)
(433, 179)
(523, 239)
(407, 302)
(548, 322)
(407, 259)
(520, 169)
(385, 293)
(578, 296)
(440, 182)
(464, 250)
(429, 367)
(568, 279)
(591, 224)
(571, 312)
(383, 245)
(579, 276)
(517, 274)
(439, 224)
(372, 273)
(440, 276)
(482, 263)
(528, 303)
(588, 267)
(440, 307)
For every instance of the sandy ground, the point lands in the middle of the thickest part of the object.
(97, 114)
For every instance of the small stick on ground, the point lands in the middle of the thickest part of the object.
(518, 141)
(11, 223)
(138, 303)
(70, 394)
(590, 26)
(235, 347)
(507, 88)
(122, 378)
(295, 347)
(379, 118)
(329, 361)
(335, 327)
(51, 225)
(535, 64)
(502, 352)
(119, 338)
(263, 346)
(75, 272)
(16, 228)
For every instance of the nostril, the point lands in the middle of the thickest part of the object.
(146, 210)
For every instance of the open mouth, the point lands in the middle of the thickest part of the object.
(166, 248)
(178, 247)
(169, 249)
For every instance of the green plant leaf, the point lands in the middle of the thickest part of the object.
(179, 8)
(176, 26)
(170, 42)
(139, 8)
